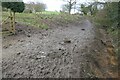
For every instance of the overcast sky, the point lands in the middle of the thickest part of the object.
(52, 5)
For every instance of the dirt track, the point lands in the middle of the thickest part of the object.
(60, 52)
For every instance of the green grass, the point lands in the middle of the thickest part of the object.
(99, 21)
(43, 26)
(39, 19)
(49, 12)
(66, 18)
(30, 19)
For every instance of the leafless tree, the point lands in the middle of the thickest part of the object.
(70, 4)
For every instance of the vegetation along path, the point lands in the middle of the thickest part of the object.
(72, 50)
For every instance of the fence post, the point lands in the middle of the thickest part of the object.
(11, 23)
(14, 22)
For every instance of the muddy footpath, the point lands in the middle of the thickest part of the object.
(76, 50)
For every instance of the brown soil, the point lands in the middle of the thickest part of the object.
(70, 51)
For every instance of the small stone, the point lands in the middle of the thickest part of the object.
(66, 40)
(28, 35)
(67, 26)
(42, 52)
(19, 30)
(38, 57)
(42, 68)
(62, 43)
(15, 75)
(18, 53)
(43, 56)
(18, 40)
(22, 40)
(5, 47)
(60, 49)
(3, 37)
(83, 29)
(103, 42)
(66, 53)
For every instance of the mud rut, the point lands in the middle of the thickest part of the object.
(55, 53)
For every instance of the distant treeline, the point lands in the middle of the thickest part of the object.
(32, 7)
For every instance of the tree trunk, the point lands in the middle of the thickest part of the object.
(70, 7)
